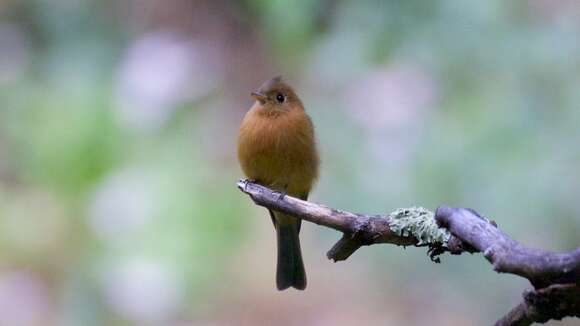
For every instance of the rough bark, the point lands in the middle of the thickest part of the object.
(359, 229)
(554, 275)
(539, 306)
(541, 267)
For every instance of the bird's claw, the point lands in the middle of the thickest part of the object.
(279, 195)
(245, 183)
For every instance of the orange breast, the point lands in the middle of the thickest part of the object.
(279, 150)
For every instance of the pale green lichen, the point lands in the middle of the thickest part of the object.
(420, 223)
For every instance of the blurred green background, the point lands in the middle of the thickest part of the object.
(118, 122)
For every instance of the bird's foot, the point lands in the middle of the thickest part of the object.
(279, 195)
(245, 182)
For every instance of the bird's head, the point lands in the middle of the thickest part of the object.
(276, 95)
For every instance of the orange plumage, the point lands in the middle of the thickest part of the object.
(277, 148)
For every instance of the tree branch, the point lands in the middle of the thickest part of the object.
(359, 229)
(506, 255)
(539, 306)
(554, 275)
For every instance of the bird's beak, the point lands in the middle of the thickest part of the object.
(259, 97)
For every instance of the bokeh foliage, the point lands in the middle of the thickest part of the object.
(117, 152)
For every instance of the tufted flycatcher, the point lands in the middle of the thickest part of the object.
(276, 148)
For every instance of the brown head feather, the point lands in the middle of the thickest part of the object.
(275, 94)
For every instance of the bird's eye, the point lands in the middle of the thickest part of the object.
(280, 98)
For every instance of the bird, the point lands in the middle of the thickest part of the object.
(277, 148)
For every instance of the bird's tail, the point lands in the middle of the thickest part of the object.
(290, 268)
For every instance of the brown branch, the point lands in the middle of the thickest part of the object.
(359, 229)
(541, 267)
(547, 271)
(555, 275)
(539, 306)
